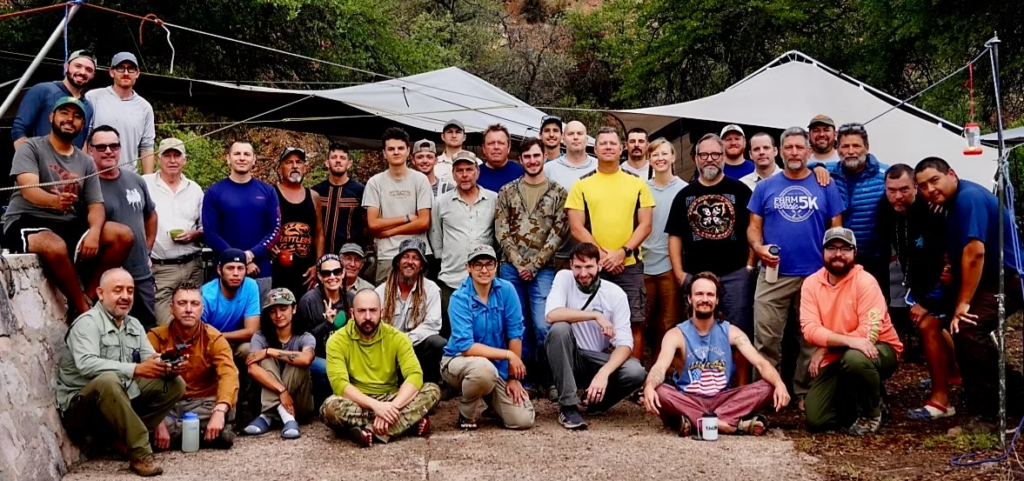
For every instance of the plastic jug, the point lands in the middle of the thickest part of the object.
(190, 433)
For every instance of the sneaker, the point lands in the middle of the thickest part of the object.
(865, 425)
(146, 467)
(570, 418)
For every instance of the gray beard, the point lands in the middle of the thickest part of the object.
(794, 165)
(710, 172)
(295, 178)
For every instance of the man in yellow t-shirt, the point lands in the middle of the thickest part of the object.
(613, 209)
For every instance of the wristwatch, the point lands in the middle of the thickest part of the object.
(627, 250)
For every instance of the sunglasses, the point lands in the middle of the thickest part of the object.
(106, 147)
(332, 272)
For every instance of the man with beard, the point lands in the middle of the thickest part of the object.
(119, 106)
(530, 224)
(736, 163)
(242, 212)
(32, 119)
(823, 139)
(231, 302)
(63, 224)
(127, 201)
(614, 210)
(302, 233)
(565, 171)
(453, 134)
(764, 152)
(788, 211)
(918, 235)
(590, 341)
(210, 375)
(843, 315)
(460, 220)
(341, 199)
(365, 361)
(497, 170)
(122, 392)
(972, 242)
(708, 233)
(353, 258)
(424, 158)
(636, 148)
(397, 202)
(551, 137)
(861, 182)
(412, 304)
(704, 343)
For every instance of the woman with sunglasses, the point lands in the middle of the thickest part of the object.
(323, 310)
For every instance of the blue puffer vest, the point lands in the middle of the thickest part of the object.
(861, 193)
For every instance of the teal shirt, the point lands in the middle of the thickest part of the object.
(95, 346)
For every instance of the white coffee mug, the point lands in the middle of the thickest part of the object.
(707, 426)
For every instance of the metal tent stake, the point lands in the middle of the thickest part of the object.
(38, 60)
(993, 50)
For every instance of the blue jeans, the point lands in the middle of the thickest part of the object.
(532, 297)
(318, 371)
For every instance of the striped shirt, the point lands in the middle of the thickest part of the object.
(344, 216)
(610, 300)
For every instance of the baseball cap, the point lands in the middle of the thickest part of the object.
(419, 145)
(123, 57)
(822, 119)
(279, 297)
(453, 123)
(171, 144)
(81, 54)
(732, 128)
(411, 244)
(351, 248)
(482, 250)
(550, 119)
(231, 255)
(69, 100)
(839, 233)
(292, 150)
(465, 156)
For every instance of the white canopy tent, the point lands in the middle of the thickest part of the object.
(792, 89)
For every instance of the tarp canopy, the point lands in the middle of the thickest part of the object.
(1010, 136)
(794, 88)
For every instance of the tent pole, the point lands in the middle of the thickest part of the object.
(57, 32)
(993, 50)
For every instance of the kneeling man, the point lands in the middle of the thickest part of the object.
(364, 361)
(705, 344)
(590, 340)
(844, 315)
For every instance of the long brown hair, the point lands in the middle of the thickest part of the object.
(418, 312)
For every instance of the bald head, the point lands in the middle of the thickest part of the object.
(366, 312)
(116, 292)
(114, 275)
(575, 137)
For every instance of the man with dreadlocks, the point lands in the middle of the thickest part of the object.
(412, 304)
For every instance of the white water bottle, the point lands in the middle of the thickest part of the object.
(771, 274)
(709, 427)
(190, 433)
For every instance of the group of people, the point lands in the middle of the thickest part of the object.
(491, 279)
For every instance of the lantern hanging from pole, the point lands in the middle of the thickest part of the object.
(973, 134)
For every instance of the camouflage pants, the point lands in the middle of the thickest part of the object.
(340, 413)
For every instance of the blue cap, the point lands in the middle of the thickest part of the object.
(123, 57)
(189, 416)
(231, 255)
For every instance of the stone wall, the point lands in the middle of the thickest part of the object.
(33, 444)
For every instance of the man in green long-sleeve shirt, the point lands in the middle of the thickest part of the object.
(364, 361)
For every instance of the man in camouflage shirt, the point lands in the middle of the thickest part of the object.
(530, 223)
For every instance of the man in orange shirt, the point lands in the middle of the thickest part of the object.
(844, 315)
(211, 378)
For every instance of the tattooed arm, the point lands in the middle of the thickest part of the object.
(298, 359)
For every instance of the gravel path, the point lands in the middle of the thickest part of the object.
(625, 444)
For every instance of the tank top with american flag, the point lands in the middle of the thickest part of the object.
(708, 365)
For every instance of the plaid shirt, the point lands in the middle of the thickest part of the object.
(529, 239)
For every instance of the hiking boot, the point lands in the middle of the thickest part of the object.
(224, 440)
(447, 393)
(552, 393)
(570, 418)
(865, 425)
(146, 466)
(974, 425)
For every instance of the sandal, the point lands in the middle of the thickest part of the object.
(465, 424)
(749, 425)
(290, 430)
(258, 426)
(930, 412)
(685, 427)
(361, 436)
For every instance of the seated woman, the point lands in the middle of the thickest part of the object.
(323, 310)
(279, 360)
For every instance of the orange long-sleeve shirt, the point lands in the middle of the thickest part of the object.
(853, 307)
(211, 366)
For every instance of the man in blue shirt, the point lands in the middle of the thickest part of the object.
(231, 302)
(34, 110)
(497, 171)
(973, 247)
(736, 163)
(483, 357)
(790, 211)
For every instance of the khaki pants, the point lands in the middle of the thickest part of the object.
(772, 304)
(103, 406)
(299, 385)
(339, 413)
(477, 378)
(167, 277)
(203, 408)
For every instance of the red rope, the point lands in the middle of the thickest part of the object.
(33, 10)
(970, 88)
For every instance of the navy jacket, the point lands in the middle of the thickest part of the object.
(33, 118)
(861, 193)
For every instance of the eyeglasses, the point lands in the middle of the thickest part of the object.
(104, 147)
(711, 155)
(126, 68)
(481, 266)
(332, 272)
(843, 249)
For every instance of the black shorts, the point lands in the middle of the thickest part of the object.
(15, 237)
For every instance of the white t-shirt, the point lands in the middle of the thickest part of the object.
(559, 170)
(831, 158)
(644, 173)
(397, 199)
(610, 300)
(753, 178)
